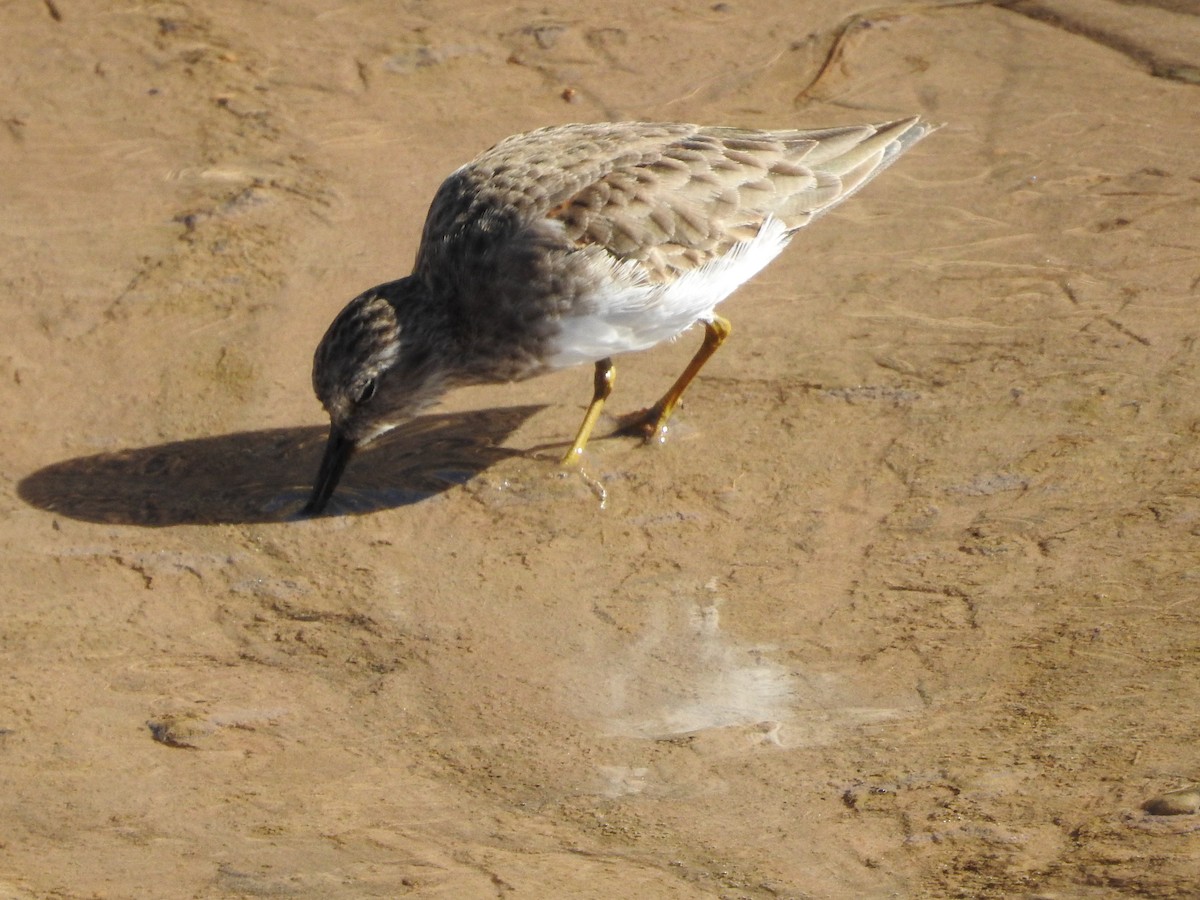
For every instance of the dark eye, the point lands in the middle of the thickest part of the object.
(367, 392)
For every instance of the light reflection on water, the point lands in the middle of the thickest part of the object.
(716, 683)
(684, 675)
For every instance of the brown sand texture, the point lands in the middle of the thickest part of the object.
(908, 606)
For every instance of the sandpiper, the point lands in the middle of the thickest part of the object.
(572, 244)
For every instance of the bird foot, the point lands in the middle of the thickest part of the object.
(649, 424)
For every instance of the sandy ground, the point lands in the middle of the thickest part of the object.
(907, 607)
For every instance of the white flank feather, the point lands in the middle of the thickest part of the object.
(631, 313)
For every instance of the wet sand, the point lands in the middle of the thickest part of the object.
(906, 607)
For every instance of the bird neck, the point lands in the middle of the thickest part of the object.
(422, 319)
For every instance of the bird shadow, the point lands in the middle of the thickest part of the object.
(265, 476)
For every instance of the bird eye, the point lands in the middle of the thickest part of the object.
(367, 392)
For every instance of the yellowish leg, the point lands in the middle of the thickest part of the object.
(652, 422)
(606, 377)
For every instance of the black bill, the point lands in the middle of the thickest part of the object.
(338, 451)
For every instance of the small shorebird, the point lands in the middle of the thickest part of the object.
(572, 244)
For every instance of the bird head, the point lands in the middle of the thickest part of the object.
(371, 372)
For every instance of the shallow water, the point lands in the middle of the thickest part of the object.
(903, 608)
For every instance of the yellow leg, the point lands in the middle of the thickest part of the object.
(606, 377)
(652, 422)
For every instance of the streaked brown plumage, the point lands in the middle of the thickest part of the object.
(574, 243)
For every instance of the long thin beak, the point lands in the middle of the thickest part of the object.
(338, 451)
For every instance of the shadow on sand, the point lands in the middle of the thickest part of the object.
(265, 476)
